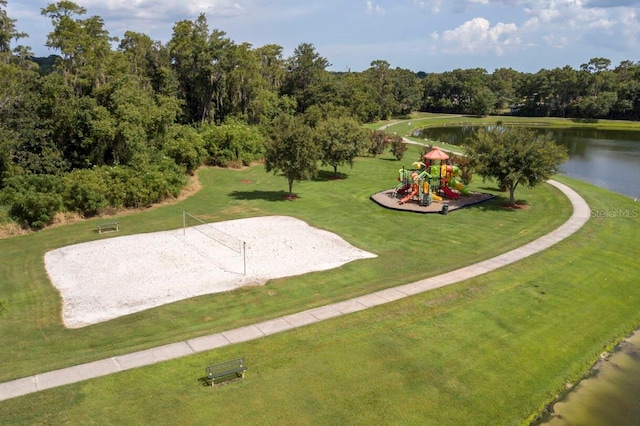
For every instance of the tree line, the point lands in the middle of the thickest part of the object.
(112, 122)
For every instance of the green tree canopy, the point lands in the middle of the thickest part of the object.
(515, 156)
(292, 150)
(342, 139)
(305, 77)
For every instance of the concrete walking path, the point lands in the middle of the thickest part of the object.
(65, 376)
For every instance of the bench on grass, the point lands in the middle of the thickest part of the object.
(108, 226)
(227, 370)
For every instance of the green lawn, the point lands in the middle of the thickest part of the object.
(409, 247)
(491, 350)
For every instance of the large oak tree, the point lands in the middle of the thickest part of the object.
(515, 156)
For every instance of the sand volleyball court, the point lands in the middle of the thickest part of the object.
(119, 275)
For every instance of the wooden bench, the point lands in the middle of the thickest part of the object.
(229, 370)
(108, 226)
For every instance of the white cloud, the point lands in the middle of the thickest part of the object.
(431, 5)
(163, 9)
(478, 36)
(372, 9)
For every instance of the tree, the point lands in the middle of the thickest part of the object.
(378, 142)
(398, 147)
(515, 156)
(199, 58)
(83, 43)
(342, 140)
(483, 102)
(292, 150)
(306, 73)
(380, 79)
(406, 91)
(8, 32)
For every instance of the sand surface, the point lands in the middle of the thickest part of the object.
(119, 275)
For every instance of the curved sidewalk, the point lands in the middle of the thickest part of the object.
(65, 376)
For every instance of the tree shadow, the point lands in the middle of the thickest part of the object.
(327, 175)
(490, 188)
(499, 203)
(262, 195)
(585, 120)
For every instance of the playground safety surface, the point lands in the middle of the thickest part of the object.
(386, 199)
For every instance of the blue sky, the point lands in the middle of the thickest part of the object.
(420, 35)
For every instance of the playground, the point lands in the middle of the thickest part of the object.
(429, 186)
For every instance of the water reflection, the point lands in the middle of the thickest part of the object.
(606, 158)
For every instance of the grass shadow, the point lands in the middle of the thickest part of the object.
(585, 120)
(327, 175)
(204, 381)
(499, 203)
(490, 188)
(260, 195)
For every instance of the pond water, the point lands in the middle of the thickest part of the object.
(607, 158)
(610, 396)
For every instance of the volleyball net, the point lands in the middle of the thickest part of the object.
(229, 241)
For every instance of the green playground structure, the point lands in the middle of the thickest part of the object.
(429, 181)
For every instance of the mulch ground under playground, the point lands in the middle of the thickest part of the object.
(386, 199)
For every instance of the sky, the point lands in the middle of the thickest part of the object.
(419, 35)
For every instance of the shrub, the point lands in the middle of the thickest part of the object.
(379, 142)
(85, 191)
(398, 147)
(186, 147)
(33, 199)
(233, 142)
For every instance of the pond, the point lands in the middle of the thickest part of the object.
(610, 396)
(607, 158)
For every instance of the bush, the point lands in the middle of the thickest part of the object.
(151, 183)
(463, 163)
(33, 199)
(186, 147)
(398, 147)
(85, 192)
(234, 142)
(379, 142)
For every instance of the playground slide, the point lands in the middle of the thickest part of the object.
(460, 187)
(411, 195)
(449, 193)
(435, 197)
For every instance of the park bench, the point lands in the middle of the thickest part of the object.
(108, 226)
(229, 370)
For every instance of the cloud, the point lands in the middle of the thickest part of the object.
(373, 9)
(562, 23)
(478, 36)
(431, 5)
(611, 3)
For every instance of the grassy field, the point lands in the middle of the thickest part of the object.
(491, 350)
